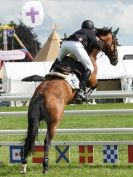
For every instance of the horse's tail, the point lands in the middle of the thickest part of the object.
(35, 114)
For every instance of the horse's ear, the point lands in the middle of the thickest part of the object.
(110, 28)
(116, 31)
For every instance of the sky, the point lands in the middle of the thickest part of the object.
(69, 14)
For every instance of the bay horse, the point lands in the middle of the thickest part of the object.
(54, 93)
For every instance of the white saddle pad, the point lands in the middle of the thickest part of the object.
(72, 79)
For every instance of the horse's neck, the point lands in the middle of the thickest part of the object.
(94, 54)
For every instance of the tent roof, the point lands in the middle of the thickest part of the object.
(122, 69)
(108, 71)
(20, 70)
(49, 51)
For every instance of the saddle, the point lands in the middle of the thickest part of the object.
(68, 65)
(62, 69)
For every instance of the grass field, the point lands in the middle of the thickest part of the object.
(74, 169)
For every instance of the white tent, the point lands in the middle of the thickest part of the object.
(121, 70)
(14, 72)
(108, 71)
(19, 70)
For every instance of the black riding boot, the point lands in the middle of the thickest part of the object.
(81, 93)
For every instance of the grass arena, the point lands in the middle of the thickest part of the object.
(73, 169)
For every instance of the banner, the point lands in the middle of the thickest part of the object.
(11, 55)
(62, 154)
(38, 154)
(15, 154)
(130, 153)
(32, 13)
(110, 154)
(86, 154)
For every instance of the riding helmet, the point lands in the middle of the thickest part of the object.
(87, 24)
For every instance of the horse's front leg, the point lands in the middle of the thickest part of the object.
(92, 81)
(92, 84)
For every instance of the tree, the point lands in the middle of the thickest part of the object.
(27, 37)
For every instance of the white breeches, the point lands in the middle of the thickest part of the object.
(76, 49)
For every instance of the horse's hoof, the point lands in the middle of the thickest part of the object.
(23, 169)
(45, 171)
(22, 172)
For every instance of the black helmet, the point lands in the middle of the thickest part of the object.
(87, 24)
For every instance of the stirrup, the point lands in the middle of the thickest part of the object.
(80, 97)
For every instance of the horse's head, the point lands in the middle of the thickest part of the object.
(110, 43)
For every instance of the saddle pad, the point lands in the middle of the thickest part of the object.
(71, 79)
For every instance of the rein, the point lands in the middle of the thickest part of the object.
(100, 55)
(107, 47)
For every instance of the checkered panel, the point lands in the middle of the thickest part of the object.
(110, 154)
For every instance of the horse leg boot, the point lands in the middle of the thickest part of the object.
(80, 94)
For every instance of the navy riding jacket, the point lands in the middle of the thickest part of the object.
(87, 38)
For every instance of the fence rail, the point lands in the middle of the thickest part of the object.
(71, 143)
(77, 112)
(74, 131)
(95, 95)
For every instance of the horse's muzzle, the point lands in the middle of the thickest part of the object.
(114, 61)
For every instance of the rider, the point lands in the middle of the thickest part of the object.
(77, 45)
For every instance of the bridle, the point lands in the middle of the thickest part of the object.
(111, 54)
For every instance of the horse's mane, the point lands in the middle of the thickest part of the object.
(103, 31)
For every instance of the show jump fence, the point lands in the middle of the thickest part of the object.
(96, 95)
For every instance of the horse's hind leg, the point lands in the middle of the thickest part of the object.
(24, 163)
(47, 142)
(23, 168)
